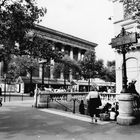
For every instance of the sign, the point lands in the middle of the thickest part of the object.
(123, 40)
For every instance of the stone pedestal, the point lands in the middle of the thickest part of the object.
(126, 115)
(43, 100)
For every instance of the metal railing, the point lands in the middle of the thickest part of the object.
(71, 100)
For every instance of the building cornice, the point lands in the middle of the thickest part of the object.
(122, 20)
(67, 39)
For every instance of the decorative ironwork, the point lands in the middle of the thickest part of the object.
(122, 44)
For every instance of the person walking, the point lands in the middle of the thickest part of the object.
(82, 107)
(94, 102)
(36, 93)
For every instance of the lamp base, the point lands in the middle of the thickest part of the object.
(126, 115)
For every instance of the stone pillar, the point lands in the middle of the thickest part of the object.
(71, 56)
(71, 77)
(82, 56)
(79, 55)
(62, 50)
(71, 53)
(126, 115)
(40, 70)
(51, 69)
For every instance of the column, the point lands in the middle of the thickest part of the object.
(71, 53)
(79, 54)
(71, 56)
(51, 68)
(40, 70)
(62, 50)
(82, 56)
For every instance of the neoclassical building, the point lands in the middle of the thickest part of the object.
(133, 56)
(73, 46)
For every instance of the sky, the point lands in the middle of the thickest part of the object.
(86, 19)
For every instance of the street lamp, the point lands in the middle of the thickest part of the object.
(4, 87)
(122, 44)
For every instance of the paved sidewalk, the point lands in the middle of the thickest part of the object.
(73, 116)
(20, 121)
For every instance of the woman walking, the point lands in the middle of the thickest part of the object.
(94, 102)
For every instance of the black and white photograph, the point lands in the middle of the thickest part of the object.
(69, 69)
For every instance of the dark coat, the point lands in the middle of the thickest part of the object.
(93, 104)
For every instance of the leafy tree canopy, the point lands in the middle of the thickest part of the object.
(16, 18)
(131, 7)
(65, 65)
(88, 65)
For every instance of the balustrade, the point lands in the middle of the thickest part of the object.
(78, 96)
(71, 100)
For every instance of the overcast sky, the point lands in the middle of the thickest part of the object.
(86, 19)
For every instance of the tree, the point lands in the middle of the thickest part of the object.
(66, 65)
(13, 72)
(99, 67)
(111, 71)
(38, 47)
(131, 8)
(21, 66)
(88, 65)
(108, 72)
(17, 17)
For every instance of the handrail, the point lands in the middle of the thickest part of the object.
(77, 96)
(64, 106)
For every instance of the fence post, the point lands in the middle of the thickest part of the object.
(74, 105)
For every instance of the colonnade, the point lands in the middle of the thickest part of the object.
(71, 53)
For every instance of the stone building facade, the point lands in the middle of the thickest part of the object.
(133, 56)
(73, 46)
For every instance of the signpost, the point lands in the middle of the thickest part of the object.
(122, 43)
(123, 40)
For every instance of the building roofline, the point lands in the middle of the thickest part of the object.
(52, 31)
(122, 20)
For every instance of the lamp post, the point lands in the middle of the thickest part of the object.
(123, 49)
(122, 44)
(4, 87)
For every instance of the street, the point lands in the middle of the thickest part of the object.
(20, 121)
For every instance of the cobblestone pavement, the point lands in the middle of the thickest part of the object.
(20, 121)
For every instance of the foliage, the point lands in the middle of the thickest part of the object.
(99, 67)
(21, 66)
(17, 20)
(130, 7)
(13, 72)
(108, 72)
(88, 65)
(17, 17)
(92, 68)
(65, 66)
(38, 47)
